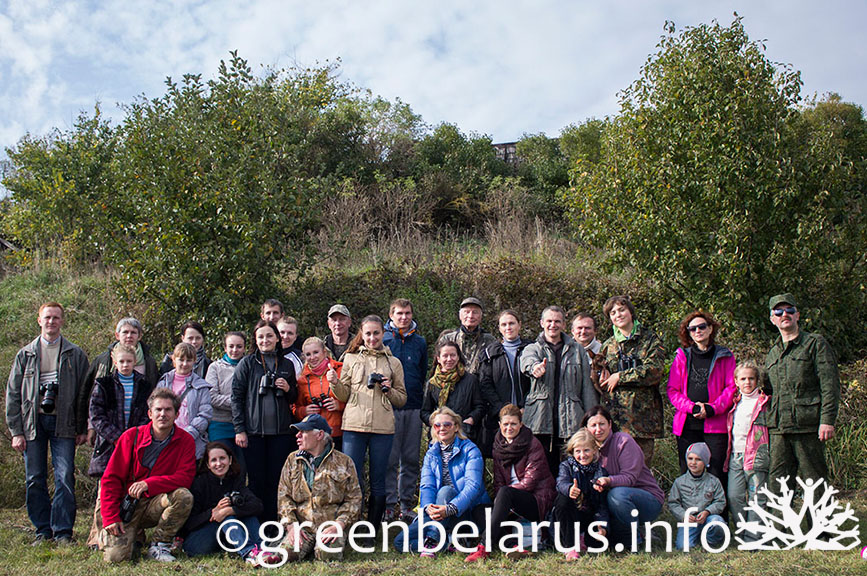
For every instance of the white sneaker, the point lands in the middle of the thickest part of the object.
(161, 552)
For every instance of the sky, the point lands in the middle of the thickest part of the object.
(504, 69)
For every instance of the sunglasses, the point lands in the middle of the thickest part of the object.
(790, 310)
(439, 425)
(697, 327)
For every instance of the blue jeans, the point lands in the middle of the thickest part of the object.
(715, 534)
(622, 500)
(204, 540)
(444, 495)
(356, 444)
(52, 517)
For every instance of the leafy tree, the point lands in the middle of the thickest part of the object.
(704, 184)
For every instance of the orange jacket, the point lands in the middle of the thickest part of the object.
(312, 386)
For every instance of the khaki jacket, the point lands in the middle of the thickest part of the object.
(335, 495)
(368, 409)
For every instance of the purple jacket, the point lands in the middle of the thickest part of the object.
(624, 460)
(720, 388)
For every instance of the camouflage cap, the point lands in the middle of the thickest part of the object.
(782, 299)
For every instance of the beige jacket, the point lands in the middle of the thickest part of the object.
(368, 409)
(335, 494)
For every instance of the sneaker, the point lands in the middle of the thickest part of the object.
(40, 540)
(479, 554)
(572, 555)
(408, 516)
(390, 515)
(63, 541)
(517, 554)
(252, 557)
(161, 552)
(429, 548)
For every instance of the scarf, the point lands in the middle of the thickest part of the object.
(509, 454)
(446, 381)
(229, 361)
(619, 337)
(321, 368)
(473, 335)
(139, 355)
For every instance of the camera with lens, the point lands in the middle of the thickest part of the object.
(127, 508)
(374, 379)
(627, 361)
(235, 498)
(268, 381)
(49, 396)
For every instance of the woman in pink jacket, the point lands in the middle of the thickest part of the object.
(701, 386)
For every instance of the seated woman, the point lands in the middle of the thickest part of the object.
(522, 481)
(630, 484)
(452, 484)
(453, 387)
(219, 493)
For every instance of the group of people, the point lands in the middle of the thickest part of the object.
(273, 430)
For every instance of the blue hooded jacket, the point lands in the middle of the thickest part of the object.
(411, 350)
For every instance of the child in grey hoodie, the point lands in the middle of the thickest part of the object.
(700, 490)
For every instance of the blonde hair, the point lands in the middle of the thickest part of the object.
(318, 342)
(581, 439)
(456, 420)
(184, 350)
(749, 365)
(121, 349)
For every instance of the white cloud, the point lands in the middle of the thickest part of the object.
(502, 68)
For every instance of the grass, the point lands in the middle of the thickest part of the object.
(17, 557)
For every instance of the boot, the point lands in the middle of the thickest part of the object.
(375, 510)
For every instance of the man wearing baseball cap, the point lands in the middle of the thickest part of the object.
(470, 336)
(339, 321)
(318, 484)
(802, 379)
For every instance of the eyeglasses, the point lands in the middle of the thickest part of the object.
(697, 327)
(439, 425)
(790, 310)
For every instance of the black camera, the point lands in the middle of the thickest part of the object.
(627, 361)
(269, 382)
(127, 508)
(49, 396)
(375, 378)
(235, 498)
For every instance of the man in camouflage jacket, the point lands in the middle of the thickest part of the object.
(318, 484)
(469, 336)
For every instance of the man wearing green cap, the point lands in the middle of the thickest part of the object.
(802, 378)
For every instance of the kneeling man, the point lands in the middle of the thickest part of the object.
(147, 481)
(318, 484)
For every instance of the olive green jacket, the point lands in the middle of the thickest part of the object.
(802, 379)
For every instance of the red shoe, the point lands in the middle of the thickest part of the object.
(479, 554)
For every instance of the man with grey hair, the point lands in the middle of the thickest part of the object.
(560, 387)
(469, 336)
(318, 484)
(339, 321)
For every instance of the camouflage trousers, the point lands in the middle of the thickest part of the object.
(646, 445)
(167, 513)
(309, 546)
(801, 455)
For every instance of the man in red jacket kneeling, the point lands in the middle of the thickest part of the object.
(146, 483)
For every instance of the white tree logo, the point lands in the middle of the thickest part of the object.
(825, 519)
